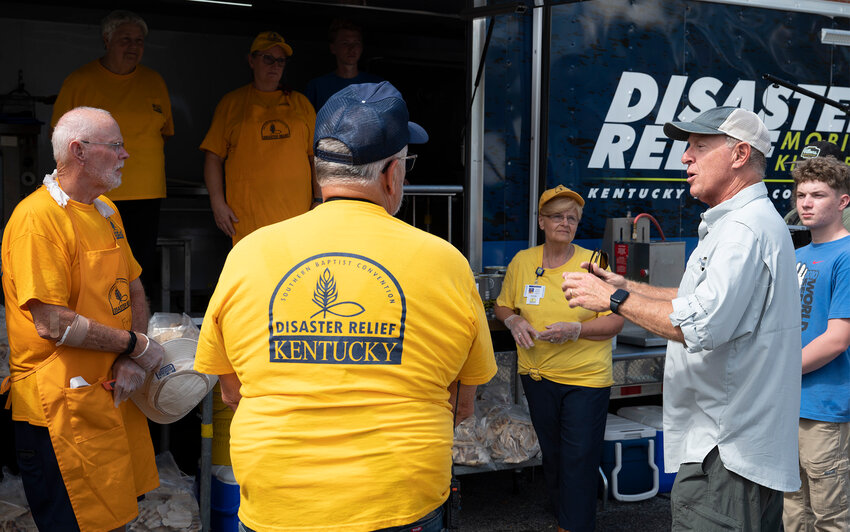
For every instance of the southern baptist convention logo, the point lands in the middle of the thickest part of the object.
(337, 308)
(274, 129)
(119, 295)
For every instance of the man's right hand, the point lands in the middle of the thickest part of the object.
(152, 359)
(224, 217)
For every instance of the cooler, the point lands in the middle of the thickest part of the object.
(628, 459)
(224, 500)
(651, 415)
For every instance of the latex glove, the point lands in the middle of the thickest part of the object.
(522, 331)
(129, 377)
(152, 357)
(561, 332)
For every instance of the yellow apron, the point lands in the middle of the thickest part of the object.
(103, 474)
(267, 175)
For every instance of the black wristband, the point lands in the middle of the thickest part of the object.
(317, 200)
(131, 345)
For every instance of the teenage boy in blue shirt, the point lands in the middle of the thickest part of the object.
(822, 192)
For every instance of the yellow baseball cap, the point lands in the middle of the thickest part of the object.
(267, 39)
(559, 192)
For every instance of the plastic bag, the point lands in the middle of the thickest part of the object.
(500, 388)
(508, 434)
(14, 511)
(468, 449)
(164, 326)
(171, 506)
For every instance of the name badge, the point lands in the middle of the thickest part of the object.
(534, 293)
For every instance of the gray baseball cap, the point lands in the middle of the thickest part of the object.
(738, 123)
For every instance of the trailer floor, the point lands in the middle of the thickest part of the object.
(516, 502)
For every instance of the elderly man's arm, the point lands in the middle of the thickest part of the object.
(823, 349)
(231, 390)
(139, 306)
(53, 321)
(465, 407)
(214, 179)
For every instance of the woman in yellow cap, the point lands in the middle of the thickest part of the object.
(564, 359)
(259, 147)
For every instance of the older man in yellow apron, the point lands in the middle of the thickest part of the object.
(76, 316)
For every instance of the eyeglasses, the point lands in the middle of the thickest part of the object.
(270, 59)
(558, 218)
(114, 145)
(409, 161)
(599, 257)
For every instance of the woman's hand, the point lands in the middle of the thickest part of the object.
(522, 331)
(561, 332)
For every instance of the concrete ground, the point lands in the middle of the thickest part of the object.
(516, 502)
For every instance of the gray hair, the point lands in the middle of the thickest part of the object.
(74, 125)
(331, 173)
(757, 161)
(111, 22)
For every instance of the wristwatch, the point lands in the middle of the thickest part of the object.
(617, 299)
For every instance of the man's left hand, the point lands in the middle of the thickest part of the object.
(587, 291)
(129, 377)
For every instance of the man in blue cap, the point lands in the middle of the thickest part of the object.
(338, 335)
(732, 372)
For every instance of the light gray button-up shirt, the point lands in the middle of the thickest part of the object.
(735, 384)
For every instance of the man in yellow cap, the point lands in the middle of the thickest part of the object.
(259, 147)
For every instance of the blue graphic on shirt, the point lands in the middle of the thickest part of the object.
(337, 308)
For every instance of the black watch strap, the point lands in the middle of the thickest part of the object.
(617, 299)
(131, 345)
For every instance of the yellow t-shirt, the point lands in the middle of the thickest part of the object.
(266, 141)
(345, 327)
(40, 261)
(580, 363)
(139, 103)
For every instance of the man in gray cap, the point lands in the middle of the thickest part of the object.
(346, 329)
(732, 372)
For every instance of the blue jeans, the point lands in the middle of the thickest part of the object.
(570, 426)
(433, 522)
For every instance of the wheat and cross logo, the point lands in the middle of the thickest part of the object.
(325, 296)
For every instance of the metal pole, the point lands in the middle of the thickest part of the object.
(206, 459)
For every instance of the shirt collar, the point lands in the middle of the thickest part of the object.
(716, 213)
(61, 197)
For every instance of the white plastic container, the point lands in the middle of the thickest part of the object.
(628, 459)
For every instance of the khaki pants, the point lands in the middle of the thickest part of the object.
(822, 501)
(707, 497)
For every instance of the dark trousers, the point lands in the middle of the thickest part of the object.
(707, 497)
(570, 425)
(141, 226)
(43, 485)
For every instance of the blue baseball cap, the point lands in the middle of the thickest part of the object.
(371, 119)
